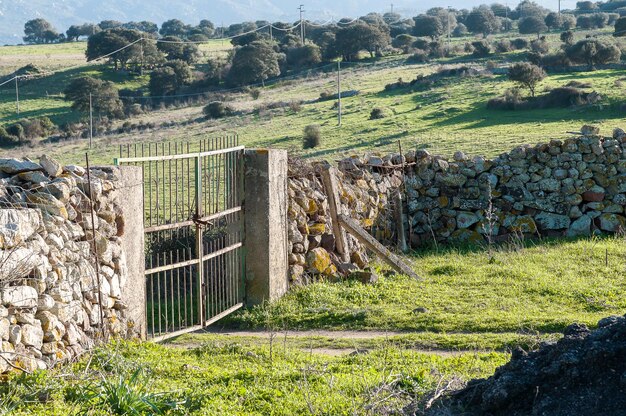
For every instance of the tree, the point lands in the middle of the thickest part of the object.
(183, 73)
(593, 52)
(255, 62)
(567, 37)
(586, 6)
(174, 27)
(482, 20)
(553, 20)
(403, 42)
(109, 24)
(528, 8)
(87, 29)
(620, 27)
(459, 30)
(350, 40)
(143, 26)
(304, 56)
(426, 25)
(163, 81)
(527, 75)
(39, 31)
(532, 24)
(174, 49)
(116, 43)
(105, 98)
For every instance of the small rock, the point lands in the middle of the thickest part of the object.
(15, 166)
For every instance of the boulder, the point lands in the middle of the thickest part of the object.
(51, 166)
(465, 219)
(612, 222)
(15, 166)
(19, 296)
(550, 221)
(17, 226)
(32, 336)
(318, 261)
(580, 227)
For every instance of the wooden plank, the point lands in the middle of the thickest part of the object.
(329, 178)
(370, 242)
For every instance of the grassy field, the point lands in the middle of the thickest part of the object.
(538, 289)
(224, 376)
(448, 116)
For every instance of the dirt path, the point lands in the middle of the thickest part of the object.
(329, 335)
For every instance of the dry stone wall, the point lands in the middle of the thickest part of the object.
(573, 187)
(58, 297)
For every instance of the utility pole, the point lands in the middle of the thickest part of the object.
(339, 92)
(17, 96)
(448, 19)
(391, 7)
(90, 121)
(559, 7)
(141, 46)
(301, 8)
(271, 35)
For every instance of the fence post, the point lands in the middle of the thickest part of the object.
(265, 221)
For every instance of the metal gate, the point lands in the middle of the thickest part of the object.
(193, 221)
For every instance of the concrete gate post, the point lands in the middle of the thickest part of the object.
(131, 203)
(265, 218)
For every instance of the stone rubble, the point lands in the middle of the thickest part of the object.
(49, 291)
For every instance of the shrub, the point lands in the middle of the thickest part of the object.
(511, 100)
(459, 30)
(593, 51)
(520, 43)
(418, 57)
(421, 43)
(312, 136)
(378, 113)
(540, 45)
(503, 46)
(527, 75)
(16, 130)
(555, 60)
(255, 93)
(217, 109)
(567, 37)
(6, 139)
(482, 48)
(295, 106)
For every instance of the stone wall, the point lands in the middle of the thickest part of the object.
(572, 187)
(58, 297)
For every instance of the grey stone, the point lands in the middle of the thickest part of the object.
(32, 336)
(550, 221)
(14, 166)
(580, 227)
(51, 166)
(466, 219)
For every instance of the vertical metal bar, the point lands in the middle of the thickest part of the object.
(199, 243)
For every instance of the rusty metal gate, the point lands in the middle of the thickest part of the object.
(193, 220)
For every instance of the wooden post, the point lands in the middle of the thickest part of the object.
(329, 178)
(399, 217)
(370, 242)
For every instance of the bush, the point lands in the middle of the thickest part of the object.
(459, 30)
(503, 46)
(378, 113)
(6, 139)
(567, 37)
(312, 136)
(255, 93)
(16, 130)
(295, 106)
(418, 57)
(482, 48)
(217, 109)
(421, 43)
(556, 60)
(511, 100)
(540, 45)
(520, 43)
(562, 97)
(527, 75)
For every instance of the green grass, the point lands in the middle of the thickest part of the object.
(540, 289)
(229, 378)
(449, 116)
